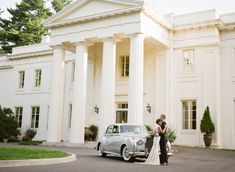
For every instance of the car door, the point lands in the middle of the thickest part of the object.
(108, 135)
(115, 140)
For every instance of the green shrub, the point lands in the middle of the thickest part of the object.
(94, 129)
(88, 134)
(29, 142)
(171, 135)
(31, 133)
(148, 127)
(8, 124)
(207, 126)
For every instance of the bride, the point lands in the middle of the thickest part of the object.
(153, 158)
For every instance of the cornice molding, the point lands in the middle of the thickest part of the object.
(30, 55)
(92, 17)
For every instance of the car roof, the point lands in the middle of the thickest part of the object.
(120, 124)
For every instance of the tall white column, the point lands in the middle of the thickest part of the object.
(57, 92)
(218, 131)
(79, 95)
(107, 106)
(135, 102)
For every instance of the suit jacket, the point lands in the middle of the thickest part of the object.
(163, 135)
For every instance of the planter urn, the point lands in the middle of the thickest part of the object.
(5, 140)
(207, 139)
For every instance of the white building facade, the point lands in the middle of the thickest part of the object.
(114, 61)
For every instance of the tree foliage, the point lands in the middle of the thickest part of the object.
(25, 25)
(60, 4)
(8, 124)
(207, 126)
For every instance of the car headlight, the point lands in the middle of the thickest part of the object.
(140, 142)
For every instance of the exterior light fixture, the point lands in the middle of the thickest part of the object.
(96, 109)
(148, 107)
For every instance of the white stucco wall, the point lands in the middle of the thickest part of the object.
(165, 83)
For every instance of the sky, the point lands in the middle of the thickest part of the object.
(166, 6)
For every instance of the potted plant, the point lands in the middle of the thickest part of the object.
(171, 136)
(207, 127)
(94, 129)
(149, 128)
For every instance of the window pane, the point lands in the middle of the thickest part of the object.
(189, 119)
(186, 124)
(194, 125)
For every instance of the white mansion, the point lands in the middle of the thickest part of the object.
(113, 61)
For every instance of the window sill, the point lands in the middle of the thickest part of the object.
(36, 89)
(20, 90)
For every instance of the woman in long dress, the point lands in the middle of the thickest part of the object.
(153, 158)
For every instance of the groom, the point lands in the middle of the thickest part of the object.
(163, 140)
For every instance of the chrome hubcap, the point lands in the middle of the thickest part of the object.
(101, 150)
(126, 153)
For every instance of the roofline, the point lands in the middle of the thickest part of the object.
(96, 16)
(76, 3)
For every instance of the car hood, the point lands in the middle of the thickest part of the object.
(142, 135)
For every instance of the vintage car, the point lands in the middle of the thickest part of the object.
(126, 140)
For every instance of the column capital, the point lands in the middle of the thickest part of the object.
(57, 46)
(84, 43)
(111, 39)
(134, 35)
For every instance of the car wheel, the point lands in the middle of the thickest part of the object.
(101, 153)
(126, 155)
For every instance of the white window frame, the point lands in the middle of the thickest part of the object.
(125, 66)
(19, 115)
(38, 78)
(190, 115)
(35, 117)
(21, 79)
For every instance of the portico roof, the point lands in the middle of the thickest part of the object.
(83, 10)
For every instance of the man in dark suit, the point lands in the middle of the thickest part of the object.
(163, 141)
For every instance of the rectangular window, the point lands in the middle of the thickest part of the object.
(122, 113)
(38, 75)
(35, 117)
(21, 79)
(189, 115)
(189, 63)
(70, 115)
(19, 115)
(125, 60)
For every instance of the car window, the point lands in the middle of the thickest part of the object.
(133, 129)
(115, 129)
(109, 130)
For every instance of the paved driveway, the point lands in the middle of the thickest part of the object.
(185, 160)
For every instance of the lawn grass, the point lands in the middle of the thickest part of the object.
(7, 153)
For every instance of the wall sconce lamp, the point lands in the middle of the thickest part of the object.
(148, 107)
(96, 109)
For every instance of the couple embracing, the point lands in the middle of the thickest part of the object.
(159, 141)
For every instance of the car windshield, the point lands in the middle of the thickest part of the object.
(137, 129)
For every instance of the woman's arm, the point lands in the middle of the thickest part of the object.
(162, 130)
